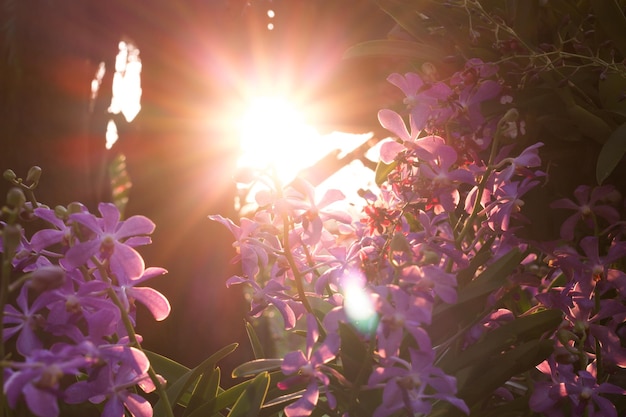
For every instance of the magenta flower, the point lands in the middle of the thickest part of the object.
(307, 368)
(128, 291)
(400, 312)
(578, 392)
(274, 294)
(408, 386)
(426, 102)
(38, 380)
(253, 245)
(113, 382)
(25, 322)
(113, 240)
(590, 204)
(302, 203)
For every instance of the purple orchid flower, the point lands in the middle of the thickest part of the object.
(112, 383)
(590, 204)
(406, 387)
(128, 291)
(272, 294)
(400, 311)
(306, 368)
(25, 321)
(37, 380)
(253, 246)
(313, 212)
(113, 240)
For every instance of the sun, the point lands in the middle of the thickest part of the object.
(273, 134)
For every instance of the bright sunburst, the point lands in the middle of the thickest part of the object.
(274, 134)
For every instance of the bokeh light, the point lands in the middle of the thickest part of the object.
(358, 302)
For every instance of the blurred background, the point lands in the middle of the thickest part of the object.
(203, 62)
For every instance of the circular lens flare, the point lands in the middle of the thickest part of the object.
(358, 302)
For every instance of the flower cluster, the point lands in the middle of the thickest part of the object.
(448, 208)
(72, 321)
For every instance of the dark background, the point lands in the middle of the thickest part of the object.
(200, 61)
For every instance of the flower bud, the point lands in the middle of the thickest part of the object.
(16, 198)
(61, 212)
(11, 237)
(47, 278)
(75, 208)
(9, 175)
(34, 173)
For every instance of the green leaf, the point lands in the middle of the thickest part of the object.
(206, 390)
(169, 369)
(405, 15)
(256, 366)
(382, 171)
(476, 384)
(257, 347)
(184, 383)
(611, 153)
(397, 48)
(250, 401)
(520, 330)
(590, 124)
(496, 370)
(471, 298)
(354, 355)
(223, 400)
(611, 20)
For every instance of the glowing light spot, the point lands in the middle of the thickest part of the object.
(358, 302)
(126, 82)
(111, 134)
(270, 26)
(273, 134)
(271, 13)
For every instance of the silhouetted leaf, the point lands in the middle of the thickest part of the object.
(611, 153)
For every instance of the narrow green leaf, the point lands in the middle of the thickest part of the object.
(166, 367)
(257, 347)
(251, 400)
(477, 385)
(405, 16)
(256, 366)
(205, 391)
(590, 124)
(489, 280)
(382, 171)
(520, 330)
(404, 49)
(354, 354)
(223, 400)
(185, 383)
(471, 298)
(611, 153)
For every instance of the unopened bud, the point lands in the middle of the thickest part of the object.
(75, 208)
(34, 173)
(9, 175)
(47, 278)
(61, 212)
(11, 238)
(16, 198)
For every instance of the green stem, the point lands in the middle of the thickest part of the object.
(132, 336)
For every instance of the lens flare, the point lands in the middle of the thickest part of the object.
(358, 302)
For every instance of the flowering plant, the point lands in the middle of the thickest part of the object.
(425, 297)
